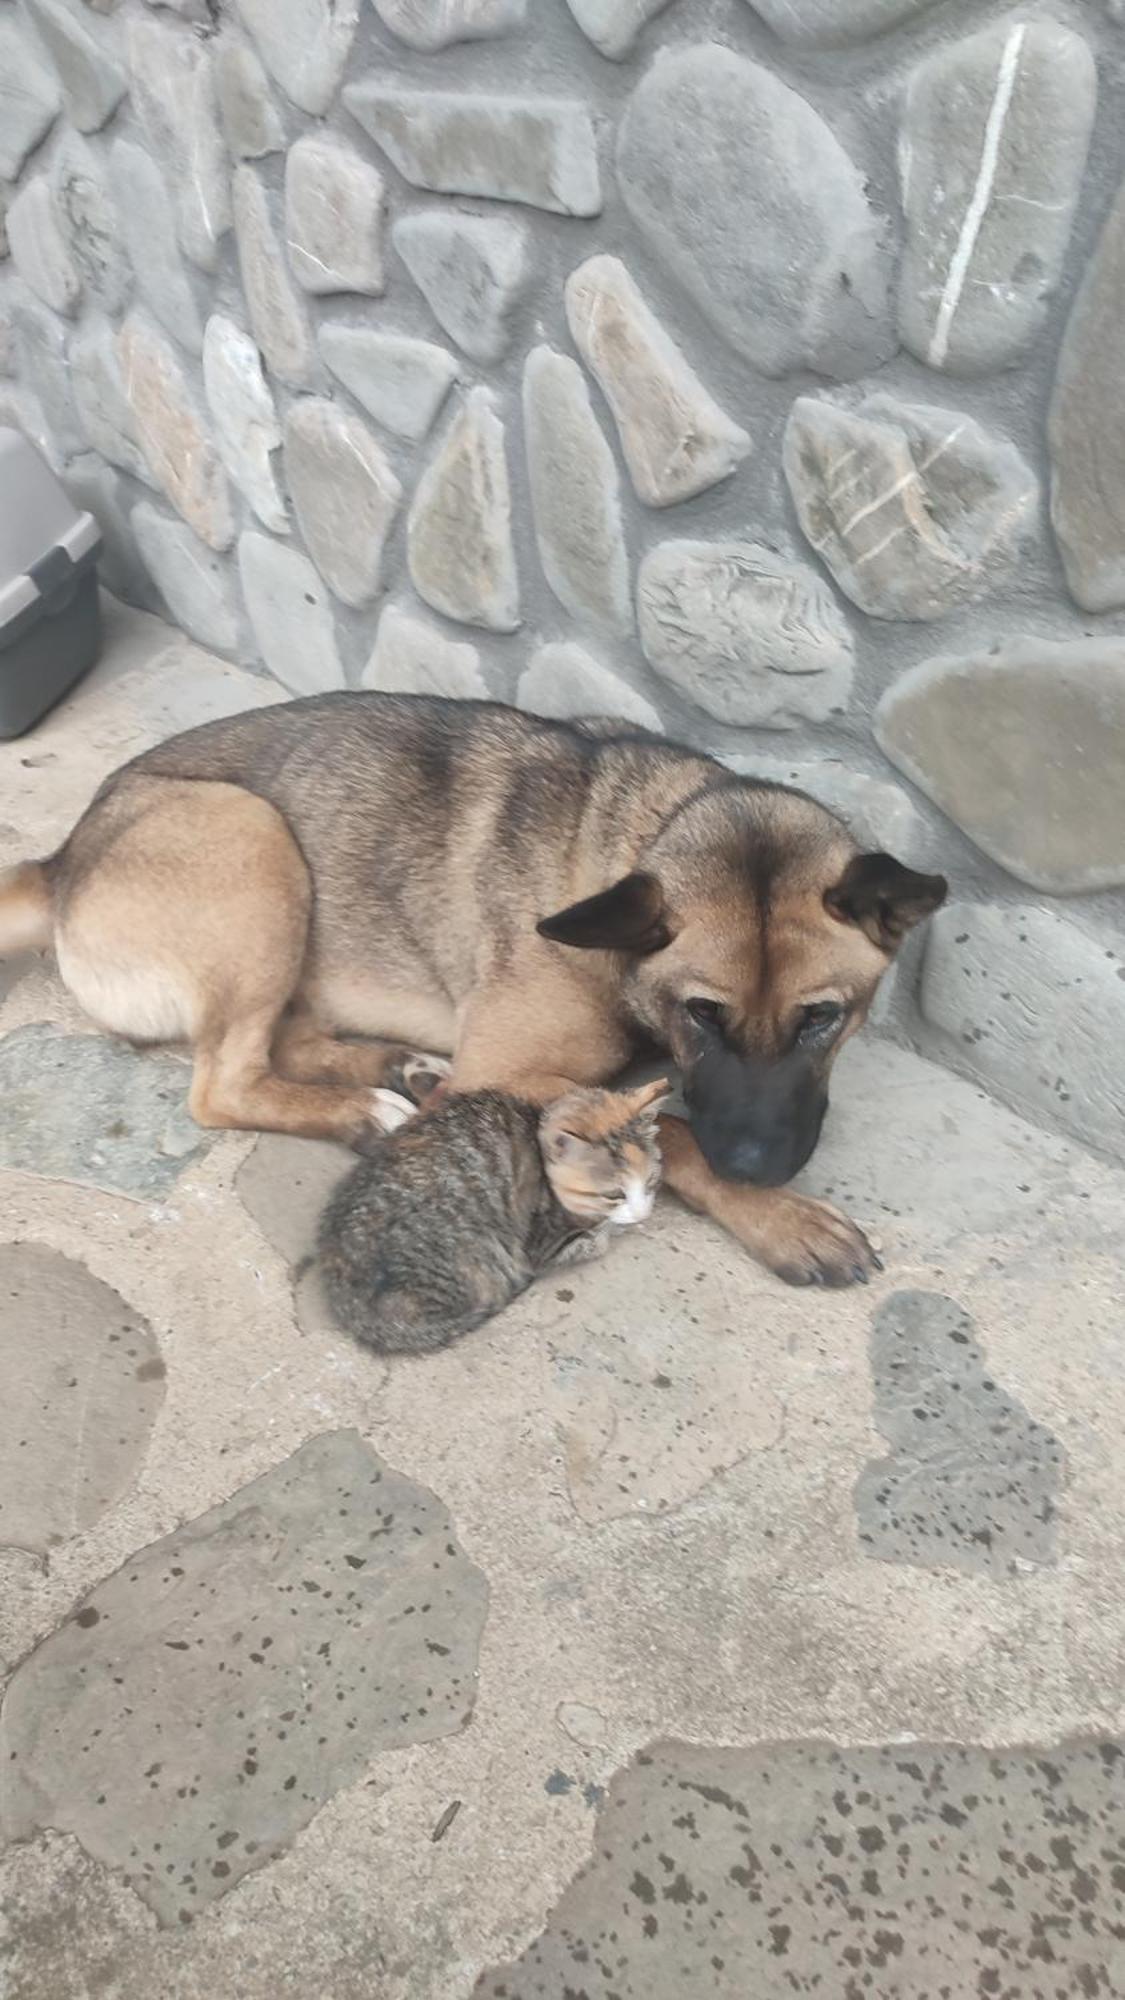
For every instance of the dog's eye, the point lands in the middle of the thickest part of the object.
(821, 1021)
(706, 1013)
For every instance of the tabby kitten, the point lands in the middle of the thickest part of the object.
(450, 1216)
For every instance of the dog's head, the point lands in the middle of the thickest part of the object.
(753, 939)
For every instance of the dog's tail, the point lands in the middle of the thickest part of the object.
(26, 915)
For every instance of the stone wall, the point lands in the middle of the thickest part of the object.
(750, 368)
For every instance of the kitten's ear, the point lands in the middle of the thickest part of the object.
(559, 1145)
(884, 898)
(629, 917)
(649, 1095)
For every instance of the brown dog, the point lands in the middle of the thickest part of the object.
(539, 898)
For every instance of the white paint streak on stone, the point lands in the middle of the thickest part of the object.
(978, 206)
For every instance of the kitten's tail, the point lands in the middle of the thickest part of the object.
(27, 921)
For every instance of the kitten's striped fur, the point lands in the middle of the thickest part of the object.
(450, 1216)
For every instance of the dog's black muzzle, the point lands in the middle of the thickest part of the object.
(755, 1120)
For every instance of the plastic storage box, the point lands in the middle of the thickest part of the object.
(50, 621)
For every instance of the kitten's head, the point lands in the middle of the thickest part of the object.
(600, 1152)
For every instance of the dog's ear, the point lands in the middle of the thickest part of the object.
(630, 917)
(884, 898)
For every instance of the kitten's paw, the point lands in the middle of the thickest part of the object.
(417, 1076)
(388, 1109)
(584, 1248)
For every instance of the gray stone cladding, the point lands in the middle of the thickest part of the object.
(748, 370)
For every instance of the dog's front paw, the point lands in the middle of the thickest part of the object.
(417, 1076)
(811, 1243)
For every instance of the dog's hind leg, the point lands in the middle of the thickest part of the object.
(305, 1052)
(182, 914)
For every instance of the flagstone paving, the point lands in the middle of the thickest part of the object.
(677, 1634)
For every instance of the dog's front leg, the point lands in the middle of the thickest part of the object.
(805, 1242)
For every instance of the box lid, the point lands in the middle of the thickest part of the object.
(36, 518)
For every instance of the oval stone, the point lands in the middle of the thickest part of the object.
(752, 203)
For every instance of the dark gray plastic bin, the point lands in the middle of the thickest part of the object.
(50, 621)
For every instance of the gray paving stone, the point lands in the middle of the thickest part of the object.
(101, 402)
(411, 656)
(148, 220)
(575, 493)
(756, 1872)
(614, 25)
(277, 315)
(913, 508)
(750, 200)
(344, 493)
(195, 583)
(1086, 430)
(39, 249)
(93, 84)
(831, 23)
(564, 680)
(173, 435)
(213, 1693)
(304, 45)
(284, 1183)
(992, 151)
(676, 440)
(459, 530)
(247, 430)
(41, 350)
(290, 613)
(748, 636)
(971, 1481)
(251, 120)
(1035, 1009)
(86, 1109)
(333, 218)
(172, 77)
(402, 383)
(430, 25)
(31, 98)
(91, 224)
(537, 150)
(472, 271)
(1024, 746)
(84, 1381)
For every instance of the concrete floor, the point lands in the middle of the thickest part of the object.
(677, 1635)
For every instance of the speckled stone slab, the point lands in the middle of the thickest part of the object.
(83, 1381)
(972, 1480)
(202, 1703)
(916, 1872)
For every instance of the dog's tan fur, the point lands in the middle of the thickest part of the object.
(375, 866)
